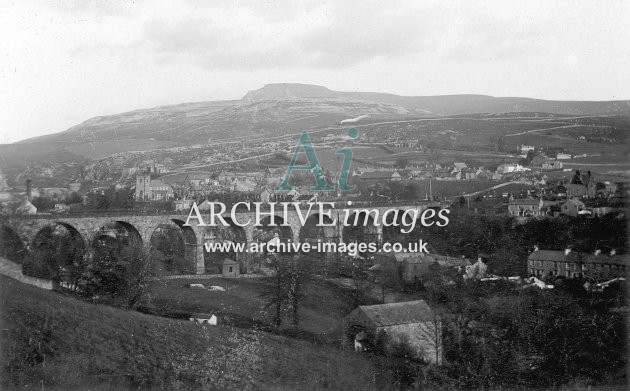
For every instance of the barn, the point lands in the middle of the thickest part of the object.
(413, 324)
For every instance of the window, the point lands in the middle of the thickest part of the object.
(230, 269)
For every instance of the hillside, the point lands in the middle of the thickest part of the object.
(53, 341)
(287, 108)
(206, 121)
(445, 104)
(203, 135)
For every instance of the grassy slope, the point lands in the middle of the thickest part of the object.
(66, 344)
(320, 314)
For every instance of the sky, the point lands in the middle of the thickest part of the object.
(64, 62)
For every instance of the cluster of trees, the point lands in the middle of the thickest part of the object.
(115, 272)
(46, 203)
(168, 252)
(57, 254)
(110, 198)
(494, 337)
(527, 160)
(120, 274)
(506, 245)
(285, 294)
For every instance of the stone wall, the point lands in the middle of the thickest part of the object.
(14, 270)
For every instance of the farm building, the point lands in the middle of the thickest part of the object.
(230, 268)
(410, 326)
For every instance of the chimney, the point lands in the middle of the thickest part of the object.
(613, 252)
(536, 247)
(597, 252)
(28, 190)
(567, 251)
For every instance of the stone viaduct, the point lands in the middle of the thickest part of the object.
(143, 226)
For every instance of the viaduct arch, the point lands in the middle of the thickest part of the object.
(18, 232)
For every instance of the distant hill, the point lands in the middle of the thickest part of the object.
(275, 111)
(445, 104)
(207, 121)
(290, 107)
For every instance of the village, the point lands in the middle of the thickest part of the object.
(393, 311)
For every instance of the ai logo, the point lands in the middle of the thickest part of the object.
(314, 166)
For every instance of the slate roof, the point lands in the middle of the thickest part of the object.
(526, 201)
(229, 261)
(573, 256)
(378, 175)
(398, 313)
(551, 255)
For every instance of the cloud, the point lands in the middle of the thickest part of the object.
(501, 40)
(318, 36)
(356, 33)
(79, 58)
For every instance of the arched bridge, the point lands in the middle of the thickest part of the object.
(22, 234)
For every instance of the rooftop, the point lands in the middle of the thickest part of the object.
(526, 201)
(574, 256)
(398, 313)
(378, 174)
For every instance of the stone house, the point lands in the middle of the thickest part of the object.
(26, 208)
(410, 267)
(468, 174)
(572, 264)
(525, 207)
(539, 160)
(371, 177)
(552, 165)
(572, 207)
(412, 324)
(581, 185)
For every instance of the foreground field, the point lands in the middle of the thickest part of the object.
(243, 304)
(51, 341)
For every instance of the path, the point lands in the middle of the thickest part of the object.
(14, 270)
(500, 185)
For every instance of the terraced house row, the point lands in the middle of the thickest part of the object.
(571, 264)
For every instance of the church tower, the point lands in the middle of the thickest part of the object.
(143, 187)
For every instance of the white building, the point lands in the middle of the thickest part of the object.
(510, 167)
(526, 148)
(563, 156)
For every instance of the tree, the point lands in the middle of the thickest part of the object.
(360, 279)
(43, 203)
(276, 292)
(73, 198)
(431, 333)
(401, 163)
(299, 274)
(386, 275)
(118, 273)
(286, 293)
(135, 281)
